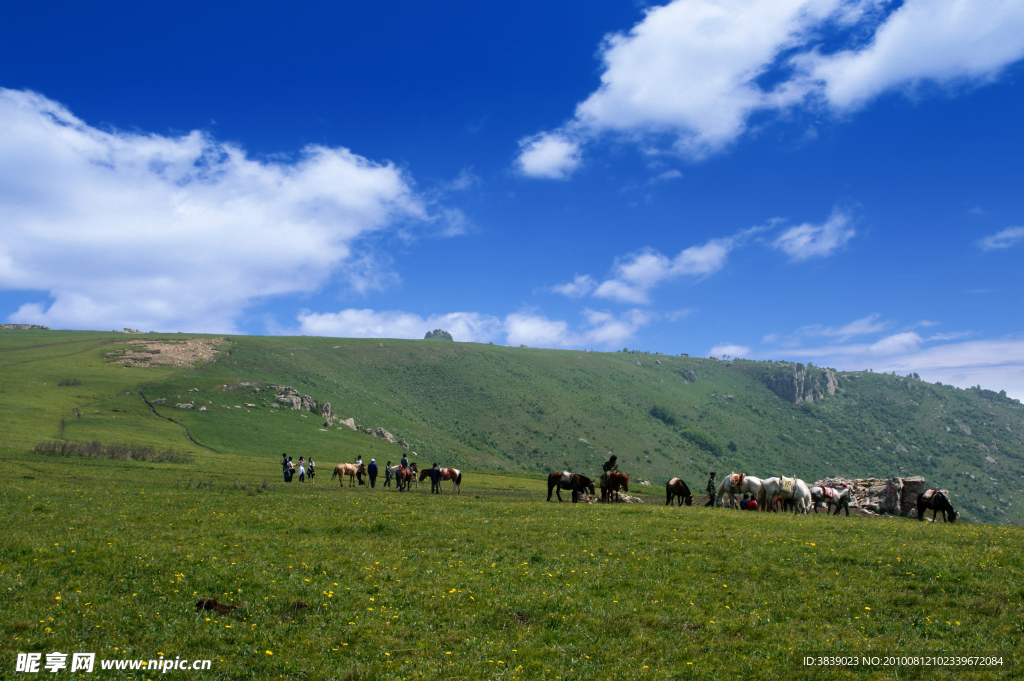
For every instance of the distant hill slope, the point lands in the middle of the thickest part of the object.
(491, 407)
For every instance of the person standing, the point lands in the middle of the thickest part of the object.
(312, 470)
(371, 470)
(284, 466)
(435, 479)
(711, 490)
(302, 470)
(359, 466)
(291, 469)
(387, 474)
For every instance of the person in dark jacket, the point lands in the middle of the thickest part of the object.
(387, 474)
(435, 479)
(371, 470)
(712, 489)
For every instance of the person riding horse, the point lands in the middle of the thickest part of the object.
(612, 464)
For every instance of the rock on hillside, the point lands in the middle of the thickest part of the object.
(438, 334)
(795, 383)
(297, 401)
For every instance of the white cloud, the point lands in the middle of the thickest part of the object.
(693, 71)
(600, 328)
(634, 275)
(464, 326)
(1004, 239)
(816, 241)
(857, 327)
(581, 285)
(548, 155)
(730, 350)
(155, 232)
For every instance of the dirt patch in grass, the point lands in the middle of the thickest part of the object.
(143, 353)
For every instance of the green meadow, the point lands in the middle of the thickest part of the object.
(328, 582)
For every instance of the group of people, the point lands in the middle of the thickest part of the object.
(290, 469)
(747, 503)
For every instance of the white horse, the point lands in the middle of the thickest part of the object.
(831, 495)
(738, 483)
(773, 487)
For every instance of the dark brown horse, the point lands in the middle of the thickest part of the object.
(406, 476)
(612, 484)
(577, 483)
(677, 488)
(934, 500)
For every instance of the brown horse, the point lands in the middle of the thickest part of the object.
(934, 500)
(612, 484)
(406, 476)
(677, 488)
(577, 483)
(349, 469)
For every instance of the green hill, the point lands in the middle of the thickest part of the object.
(486, 407)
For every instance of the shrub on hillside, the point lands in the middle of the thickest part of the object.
(702, 440)
(438, 334)
(663, 415)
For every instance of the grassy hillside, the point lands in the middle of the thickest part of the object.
(489, 407)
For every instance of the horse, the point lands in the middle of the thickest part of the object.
(737, 483)
(798, 492)
(612, 483)
(935, 500)
(677, 488)
(576, 483)
(405, 476)
(453, 474)
(349, 469)
(829, 496)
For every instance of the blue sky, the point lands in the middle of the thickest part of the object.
(836, 181)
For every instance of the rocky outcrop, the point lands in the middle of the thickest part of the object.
(295, 399)
(184, 405)
(962, 426)
(385, 435)
(350, 422)
(405, 445)
(438, 334)
(688, 375)
(895, 496)
(796, 383)
(24, 326)
(325, 411)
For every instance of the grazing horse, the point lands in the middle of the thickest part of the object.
(349, 469)
(677, 488)
(576, 482)
(612, 484)
(829, 496)
(796, 490)
(737, 483)
(935, 500)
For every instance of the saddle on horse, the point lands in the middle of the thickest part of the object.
(828, 493)
(928, 494)
(737, 480)
(787, 485)
(566, 478)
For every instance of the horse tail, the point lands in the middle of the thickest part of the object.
(458, 478)
(334, 474)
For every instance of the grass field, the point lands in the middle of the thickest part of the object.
(110, 556)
